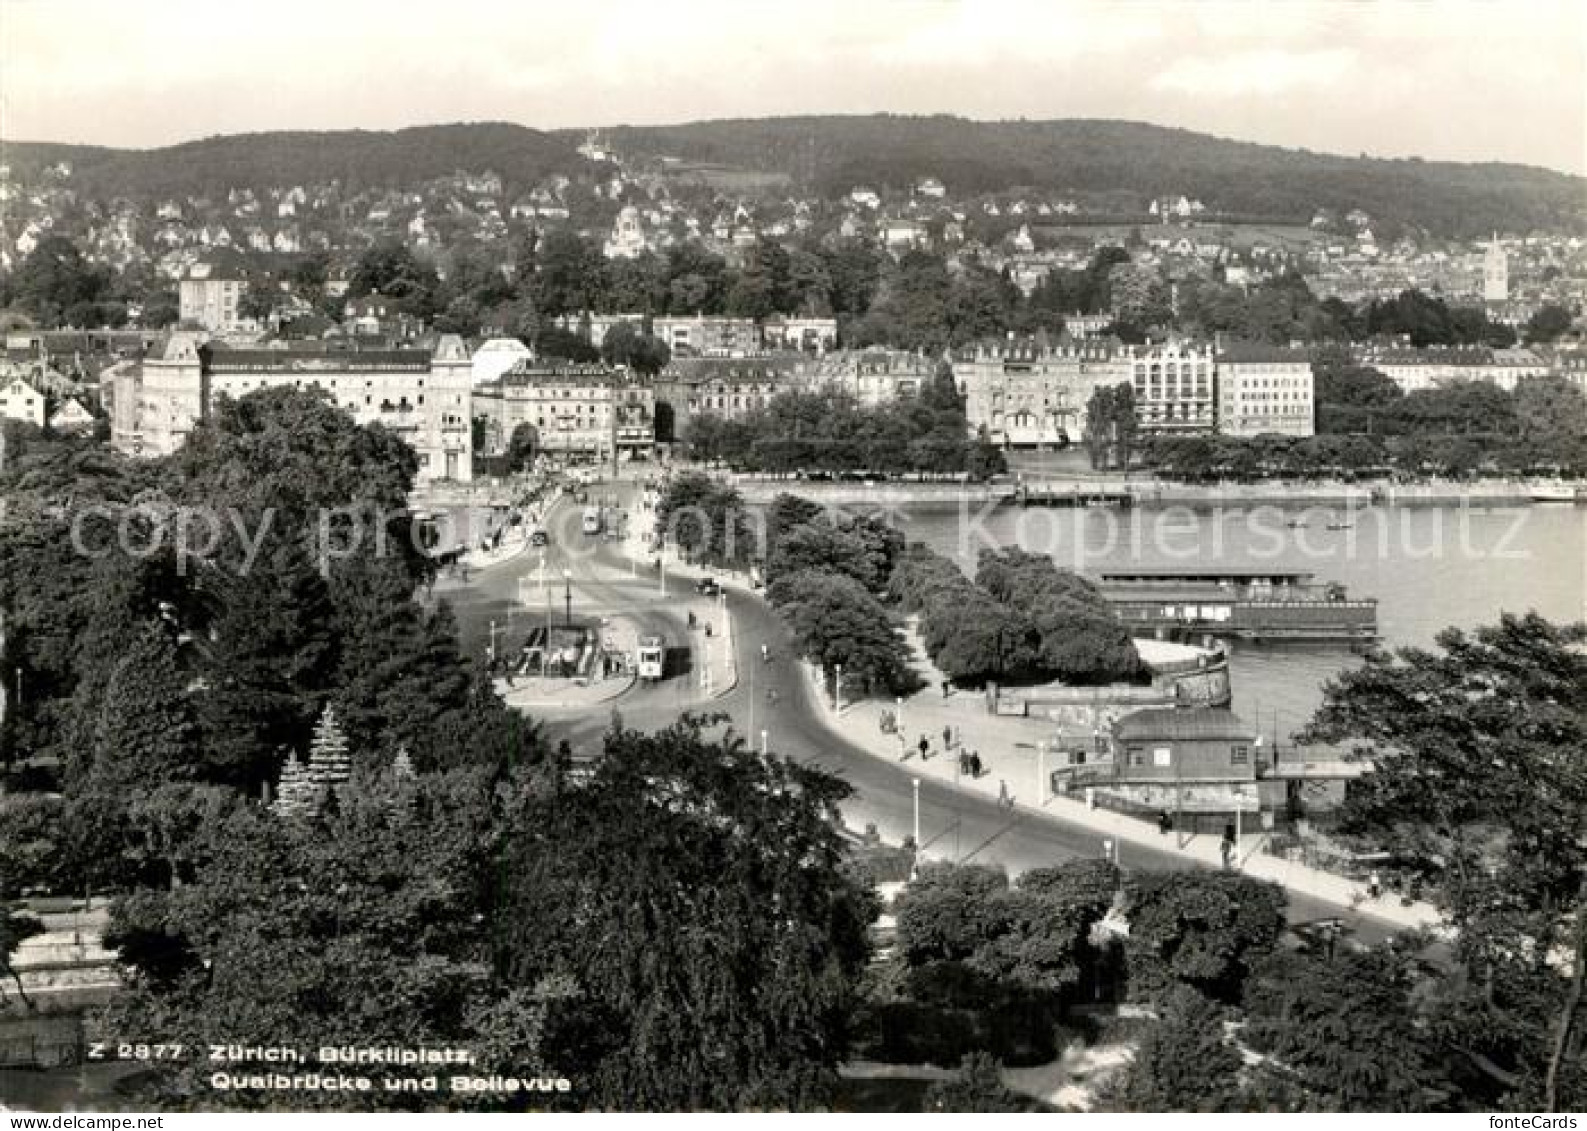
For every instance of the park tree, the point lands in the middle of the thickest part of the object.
(1138, 296)
(628, 345)
(556, 344)
(1184, 1063)
(390, 268)
(1204, 931)
(147, 731)
(696, 997)
(358, 926)
(707, 519)
(949, 911)
(1547, 324)
(763, 286)
(569, 274)
(977, 1086)
(858, 548)
(1110, 426)
(1045, 944)
(838, 622)
(16, 927)
(521, 447)
(259, 299)
(57, 284)
(1478, 785)
(1551, 421)
(1347, 1029)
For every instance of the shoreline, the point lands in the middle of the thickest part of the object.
(1121, 494)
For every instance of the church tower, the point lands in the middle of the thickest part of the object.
(1495, 273)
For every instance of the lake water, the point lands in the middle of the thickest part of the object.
(1428, 567)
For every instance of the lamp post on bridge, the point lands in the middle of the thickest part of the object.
(914, 868)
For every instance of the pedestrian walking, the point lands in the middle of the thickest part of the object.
(1374, 886)
(947, 738)
(1164, 822)
(1003, 798)
(975, 765)
(925, 745)
(1226, 847)
(964, 762)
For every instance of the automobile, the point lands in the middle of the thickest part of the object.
(707, 587)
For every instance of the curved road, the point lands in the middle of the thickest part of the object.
(954, 825)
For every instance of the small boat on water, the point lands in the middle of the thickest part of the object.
(1296, 524)
(1339, 525)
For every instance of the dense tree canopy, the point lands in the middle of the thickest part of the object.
(1478, 788)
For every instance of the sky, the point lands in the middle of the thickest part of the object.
(1468, 80)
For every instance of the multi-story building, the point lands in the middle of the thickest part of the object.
(791, 332)
(1571, 364)
(208, 298)
(1415, 369)
(691, 387)
(1174, 387)
(708, 335)
(1264, 389)
(872, 376)
(697, 335)
(579, 413)
(1027, 394)
(19, 400)
(421, 394)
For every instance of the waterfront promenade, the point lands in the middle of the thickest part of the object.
(1011, 761)
(1008, 750)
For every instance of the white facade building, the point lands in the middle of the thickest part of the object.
(208, 298)
(1265, 390)
(1174, 387)
(19, 400)
(423, 395)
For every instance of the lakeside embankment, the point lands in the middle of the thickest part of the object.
(1151, 493)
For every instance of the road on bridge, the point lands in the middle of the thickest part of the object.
(954, 825)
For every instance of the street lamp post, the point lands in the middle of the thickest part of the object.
(837, 690)
(764, 747)
(490, 650)
(567, 590)
(914, 869)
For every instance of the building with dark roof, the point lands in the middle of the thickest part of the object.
(691, 387)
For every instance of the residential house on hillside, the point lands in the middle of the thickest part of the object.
(19, 400)
(71, 416)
